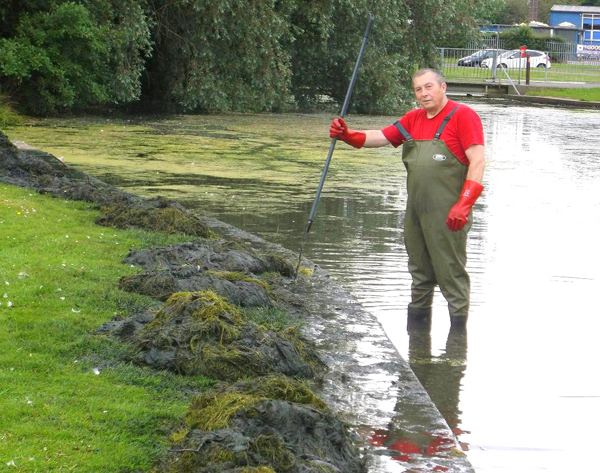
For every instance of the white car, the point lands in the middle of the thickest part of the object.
(512, 59)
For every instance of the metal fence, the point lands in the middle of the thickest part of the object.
(567, 64)
(493, 42)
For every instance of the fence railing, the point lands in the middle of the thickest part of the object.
(565, 65)
(493, 42)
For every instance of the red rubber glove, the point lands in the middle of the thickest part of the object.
(339, 130)
(458, 215)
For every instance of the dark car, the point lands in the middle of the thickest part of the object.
(474, 60)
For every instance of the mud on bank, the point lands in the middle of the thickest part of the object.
(215, 294)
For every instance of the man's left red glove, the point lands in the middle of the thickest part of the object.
(459, 214)
(339, 130)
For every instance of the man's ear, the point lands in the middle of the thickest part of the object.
(444, 86)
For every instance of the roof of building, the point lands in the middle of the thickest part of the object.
(566, 24)
(575, 9)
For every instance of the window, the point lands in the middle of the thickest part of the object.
(590, 23)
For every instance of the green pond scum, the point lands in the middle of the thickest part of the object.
(237, 426)
(270, 318)
(162, 218)
(248, 163)
(306, 271)
(201, 333)
(273, 449)
(236, 276)
(160, 285)
(257, 469)
(213, 410)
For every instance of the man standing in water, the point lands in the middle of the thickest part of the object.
(443, 154)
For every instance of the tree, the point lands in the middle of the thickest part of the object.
(525, 36)
(510, 12)
(222, 55)
(384, 81)
(225, 55)
(71, 55)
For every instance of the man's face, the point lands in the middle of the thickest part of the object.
(429, 92)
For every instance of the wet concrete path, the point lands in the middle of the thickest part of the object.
(521, 392)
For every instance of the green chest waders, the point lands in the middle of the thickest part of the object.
(436, 255)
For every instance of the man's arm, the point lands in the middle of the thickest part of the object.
(375, 139)
(358, 139)
(475, 154)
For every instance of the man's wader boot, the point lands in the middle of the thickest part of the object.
(436, 255)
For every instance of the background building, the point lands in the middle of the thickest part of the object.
(585, 19)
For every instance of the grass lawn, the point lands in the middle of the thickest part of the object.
(592, 95)
(67, 401)
(559, 72)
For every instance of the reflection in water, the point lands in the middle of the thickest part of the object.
(441, 377)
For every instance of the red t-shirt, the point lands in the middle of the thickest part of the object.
(463, 130)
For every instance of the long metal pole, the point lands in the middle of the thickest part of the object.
(313, 211)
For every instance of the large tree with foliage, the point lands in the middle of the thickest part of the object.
(222, 55)
(327, 41)
(56, 55)
(271, 54)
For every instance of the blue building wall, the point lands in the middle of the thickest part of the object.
(590, 37)
(571, 17)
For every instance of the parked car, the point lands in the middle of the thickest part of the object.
(474, 60)
(513, 60)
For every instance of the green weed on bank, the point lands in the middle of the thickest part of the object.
(67, 401)
(8, 116)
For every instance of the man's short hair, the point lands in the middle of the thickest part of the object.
(438, 75)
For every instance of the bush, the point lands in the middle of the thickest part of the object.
(8, 116)
(68, 57)
(525, 36)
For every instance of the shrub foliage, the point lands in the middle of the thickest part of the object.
(525, 36)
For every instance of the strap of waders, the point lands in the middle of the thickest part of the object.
(403, 131)
(444, 123)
